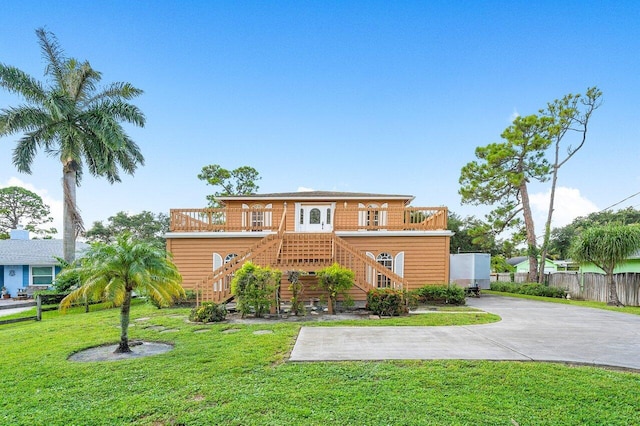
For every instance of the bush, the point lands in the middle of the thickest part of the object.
(254, 288)
(208, 312)
(531, 289)
(188, 300)
(445, 294)
(335, 280)
(387, 302)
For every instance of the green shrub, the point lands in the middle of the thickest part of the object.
(254, 288)
(188, 300)
(531, 289)
(208, 312)
(335, 280)
(445, 294)
(63, 283)
(296, 287)
(387, 302)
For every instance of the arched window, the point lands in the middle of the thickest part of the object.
(227, 279)
(386, 260)
(314, 216)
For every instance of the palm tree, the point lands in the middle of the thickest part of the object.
(71, 119)
(606, 246)
(112, 272)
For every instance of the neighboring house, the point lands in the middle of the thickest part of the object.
(386, 242)
(521, 263)
(25, 262)
(631, 264)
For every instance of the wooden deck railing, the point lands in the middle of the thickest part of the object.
(366, 269)
(225, 220)
(344, 219)
(216, 286)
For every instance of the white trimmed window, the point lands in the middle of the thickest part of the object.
(386, 260)
(42, 275)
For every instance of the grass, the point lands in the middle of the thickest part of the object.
(242, 379)
(635, 310)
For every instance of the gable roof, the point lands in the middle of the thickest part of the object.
(34, 252)
(318, 195)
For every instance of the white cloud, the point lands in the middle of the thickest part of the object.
(304, 189)
(54, 205)
(515, 114)
(568, 205)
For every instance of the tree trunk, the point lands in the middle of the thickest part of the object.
(70, 212)
(613, 291)
(532, 251)
(547, 226)
(123, 347)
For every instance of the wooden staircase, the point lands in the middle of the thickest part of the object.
(297, 251)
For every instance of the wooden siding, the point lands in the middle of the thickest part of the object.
(426, 258)
(194, 256)
(347, 216)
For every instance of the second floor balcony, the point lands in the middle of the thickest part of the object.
(311, 218)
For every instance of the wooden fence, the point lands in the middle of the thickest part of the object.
(591, 286)
(45, 303)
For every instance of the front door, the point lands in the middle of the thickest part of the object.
(314, 218)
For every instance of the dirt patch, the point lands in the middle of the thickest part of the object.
(105, 352)
(236, 318)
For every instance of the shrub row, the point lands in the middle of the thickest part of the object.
(531, 289)
(387, 302)
(208, 312)
(448, 294)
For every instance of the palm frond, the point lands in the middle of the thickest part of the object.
(117, 91)
(22, 118)
(52, 54)
(21, 83)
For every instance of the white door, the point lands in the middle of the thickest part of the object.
(314, 218)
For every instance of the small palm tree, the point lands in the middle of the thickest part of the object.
(112, 272)
(606, 246)
(71, 119)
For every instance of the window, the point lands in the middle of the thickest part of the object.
(41, 275)
(386, 260)
(227, 279)
(257, 217)
(301, 216)
(329, 216)
(373, 216)
(314, 216)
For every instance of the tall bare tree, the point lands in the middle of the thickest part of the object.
(570, 116)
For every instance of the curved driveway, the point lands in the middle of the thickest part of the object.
(529, 330)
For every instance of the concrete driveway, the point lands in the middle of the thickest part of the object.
(529, 330)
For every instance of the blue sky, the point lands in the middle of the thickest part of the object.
(388, 97)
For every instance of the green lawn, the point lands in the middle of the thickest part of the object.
(242, 379)
(635, 310)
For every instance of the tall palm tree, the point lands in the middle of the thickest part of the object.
(606, 246)
(73, 120)
(111, 272)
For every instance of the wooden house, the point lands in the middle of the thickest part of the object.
(384, 240)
